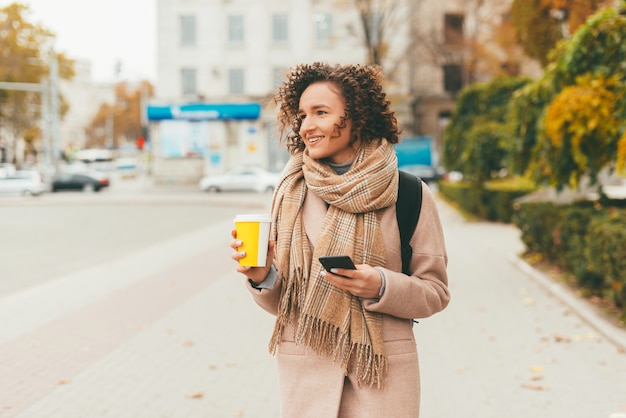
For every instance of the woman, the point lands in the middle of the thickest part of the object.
(344, 339)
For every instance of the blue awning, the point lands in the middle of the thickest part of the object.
(205, 111)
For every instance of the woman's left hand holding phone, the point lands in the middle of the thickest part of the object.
(256, 274)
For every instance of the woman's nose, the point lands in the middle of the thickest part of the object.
(305, 125)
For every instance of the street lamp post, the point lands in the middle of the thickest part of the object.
(54, 107)
(45, 122)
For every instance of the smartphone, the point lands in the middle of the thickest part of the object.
(337, 261)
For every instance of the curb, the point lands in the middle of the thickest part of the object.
(611, 332)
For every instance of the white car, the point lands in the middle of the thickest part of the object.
(7, 169)
(23, 182)
(244, 179)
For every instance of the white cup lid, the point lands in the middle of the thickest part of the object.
(253, 217)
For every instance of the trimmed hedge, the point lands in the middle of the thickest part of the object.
(494, 202)
(587, 239)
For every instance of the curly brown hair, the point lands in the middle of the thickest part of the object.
(361, 87)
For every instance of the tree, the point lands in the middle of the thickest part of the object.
(120, 122)
(577, 107)
(540, 24)
(478, 129)
(25, 57)
(485, 152)
(481, 40)
(581, 128)
(383, 26)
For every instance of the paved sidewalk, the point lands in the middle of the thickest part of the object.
(170, 331)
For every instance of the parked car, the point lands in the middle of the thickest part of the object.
(85, 181)
(7, 169)
(244, 179)
(425, 172)
(23, 182)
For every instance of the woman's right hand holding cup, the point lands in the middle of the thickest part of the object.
(256, 274)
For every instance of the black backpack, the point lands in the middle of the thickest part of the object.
(408, 207)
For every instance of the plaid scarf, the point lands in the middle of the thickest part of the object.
(329, 320)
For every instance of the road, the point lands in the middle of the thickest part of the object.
(56, 234)
(507, 345)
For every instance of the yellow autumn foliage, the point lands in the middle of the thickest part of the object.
(583, 115)
(621, 154)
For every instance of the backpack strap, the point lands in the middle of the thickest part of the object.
(408, 207)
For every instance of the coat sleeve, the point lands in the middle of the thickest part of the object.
(425, 292)
(266, 298)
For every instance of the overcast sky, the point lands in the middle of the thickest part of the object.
(102, 32)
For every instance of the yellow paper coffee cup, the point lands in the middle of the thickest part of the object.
(253, 230)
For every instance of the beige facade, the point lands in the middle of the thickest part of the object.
(84, 97)
(224, 51)
(456, 45)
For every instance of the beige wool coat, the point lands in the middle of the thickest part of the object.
(312, 386)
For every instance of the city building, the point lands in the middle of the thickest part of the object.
(84, 98)
(219, 61)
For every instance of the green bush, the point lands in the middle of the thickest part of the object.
(586, 239)
(570, 233)
(494, 202)
(606, 253)
(535, 221)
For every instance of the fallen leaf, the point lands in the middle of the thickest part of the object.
(536, 369)
(561, 338)
(196, 395)
(64, 382)
(536, 377)
(187, 343)
(534, 387)
(528, 301)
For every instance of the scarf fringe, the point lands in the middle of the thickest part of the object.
(327, 339)
(290, 302)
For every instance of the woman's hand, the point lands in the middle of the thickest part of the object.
(363, 282)
(256, 274)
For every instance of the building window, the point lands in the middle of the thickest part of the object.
(235, 29)
(452, 78)
(323, 28)
(188, 30)
(188, 80)
(236, 81)
(453, 28)
(280, 29)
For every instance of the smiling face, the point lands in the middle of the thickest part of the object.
(325, 135)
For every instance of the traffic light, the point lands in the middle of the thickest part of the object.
(141, 141)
